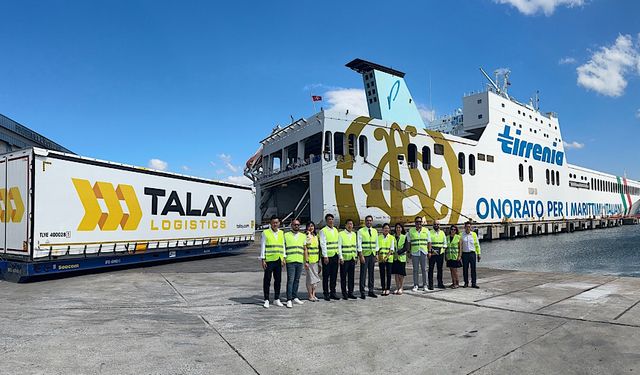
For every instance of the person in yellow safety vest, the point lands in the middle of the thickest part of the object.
(272, 258)
(400, 259)
(367, 252)
(420, 244)
(470, 252)
(312, 260)
(385, 258)
(454, 256)
(436, 254)
(347, 253)
(294, 246)
(330, 258)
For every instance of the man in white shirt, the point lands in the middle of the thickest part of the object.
(367, 248)
(470, 253)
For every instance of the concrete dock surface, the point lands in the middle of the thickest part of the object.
(206, 317)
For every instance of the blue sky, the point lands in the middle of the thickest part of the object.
(197, 85)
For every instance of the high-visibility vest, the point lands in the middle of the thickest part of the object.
(294, 243)
(313, 248)
(368, 241)
(419, 240)
(452, 247)
(384, 246)
(274, 247)
(438, 240)
(348, 245)
(399, 244)
(331, 236)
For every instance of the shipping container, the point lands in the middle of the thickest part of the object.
(61, 212)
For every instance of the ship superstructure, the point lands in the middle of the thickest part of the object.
(494, 160)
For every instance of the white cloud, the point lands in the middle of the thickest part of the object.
(226, 160)
(609, 67)
(532, 7)
(242, 180)
(638, 113)
(353, 100)
(574, 145)
(426, 113)
(567, 61)
(185, 168)
(158, 164)
(220, 171)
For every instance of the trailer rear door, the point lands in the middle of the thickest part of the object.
(15, 202)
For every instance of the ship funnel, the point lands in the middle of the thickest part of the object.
(388, 96)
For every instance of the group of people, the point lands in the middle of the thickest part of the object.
(330, 251)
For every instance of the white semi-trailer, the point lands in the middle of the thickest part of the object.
(61, 212)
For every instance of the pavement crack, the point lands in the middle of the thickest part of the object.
(210, 326)
(174, 288)
(573, 295)
(518, 347)
(626, 310)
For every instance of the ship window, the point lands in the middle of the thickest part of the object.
(479, 116)
(276, 161)
(558, 178)
(312, 148)
(503, 119)
(530, 173)
(376, 184)
(553, 178)
(490, 158)
(375, 99)
(352, 145)
(338, 143)
(502, 105)
(472, 164)
(438, 149)
(370, 101)
(521, 172)
(327, 146)
(518, 111)
(547, 174)
(479, 101)
(461, 162)
(412, 156)
(426, 158)
(362, 146)
(480, 157)
(592, 184)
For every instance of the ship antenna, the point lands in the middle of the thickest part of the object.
(490, 81)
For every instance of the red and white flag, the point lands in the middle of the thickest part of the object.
(316, 98)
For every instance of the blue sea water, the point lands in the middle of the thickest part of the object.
(611, 251)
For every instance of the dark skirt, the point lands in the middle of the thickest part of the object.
(454, 263)
(399, 268)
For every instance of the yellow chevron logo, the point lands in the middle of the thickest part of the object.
(12, 209)
(111, 196)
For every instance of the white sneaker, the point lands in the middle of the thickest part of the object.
(415, 288)
(298, 301)
(289, 304)
(266, 304)
(278, 303)
(425, 289)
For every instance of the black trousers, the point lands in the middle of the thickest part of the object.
(436, 260)
(274, 268)
(367, 268)
(330, 275)
(469, 260)
(385, 275)
(347, 274)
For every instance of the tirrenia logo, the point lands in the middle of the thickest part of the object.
(513, 145)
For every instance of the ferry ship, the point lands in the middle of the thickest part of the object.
(496, 160)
